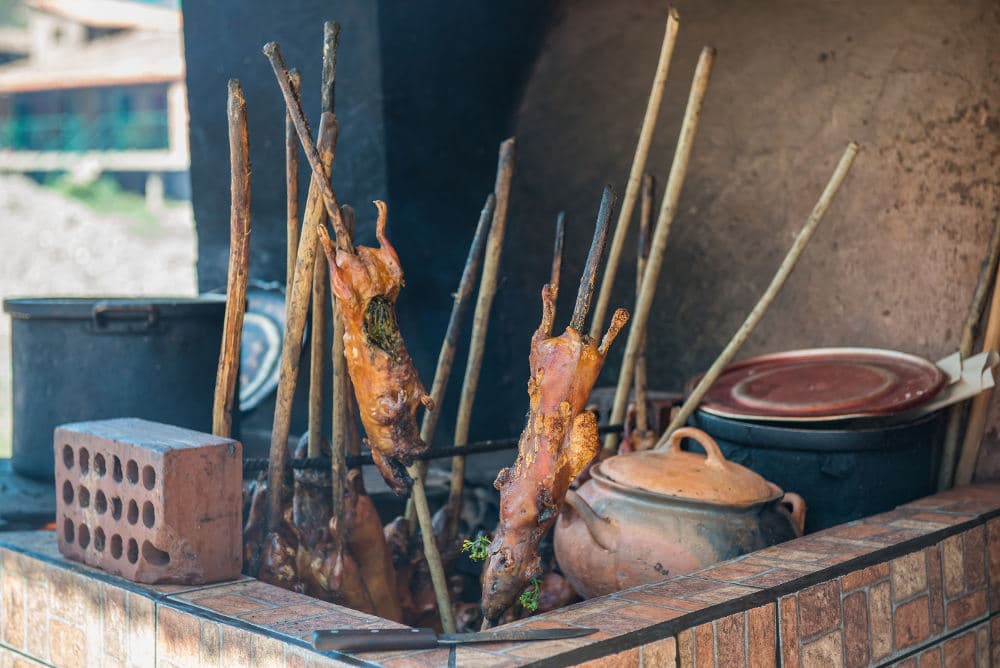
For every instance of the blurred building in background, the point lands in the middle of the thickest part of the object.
(93, 87)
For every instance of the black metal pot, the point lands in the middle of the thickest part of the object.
(844, 472)
(88, 359)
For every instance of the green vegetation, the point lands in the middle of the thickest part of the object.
(529, 598)
(105, 196)
(478, 549)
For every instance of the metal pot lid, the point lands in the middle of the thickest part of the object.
(688, 475)
(823, 384)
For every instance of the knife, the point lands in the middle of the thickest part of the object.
(380, 640)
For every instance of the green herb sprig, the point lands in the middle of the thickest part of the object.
(529, 597)
(477, 548)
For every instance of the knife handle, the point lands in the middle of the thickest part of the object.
(374, 640)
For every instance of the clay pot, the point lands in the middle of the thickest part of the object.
(646, 516)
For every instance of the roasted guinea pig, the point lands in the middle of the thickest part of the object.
(559, 441)
(389, 392)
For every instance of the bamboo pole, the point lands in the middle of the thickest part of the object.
(668, 209)
(298, 307)
(292, 187)
(642, 255)
(239, 262)
(635, 173)
(955, 414)
(979, 408)
(755, 316)
(320, 171)
(480, 325)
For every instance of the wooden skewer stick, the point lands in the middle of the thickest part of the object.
(446, 356)
(642, 255)
(343, 404)
(431, 553)
(589, 277)
(298, 307)
(317, 354)
(480, 325)
(239, 263)
(321, 277)
(321, 173)
(979, 408)
(292, 187)
(668, 209)
(955, 414)
(635, 174)
(755, 316)
(557, 251)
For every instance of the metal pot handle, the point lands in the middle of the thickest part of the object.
(713, 457)
(797, 509)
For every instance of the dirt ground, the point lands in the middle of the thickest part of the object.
(53, 244)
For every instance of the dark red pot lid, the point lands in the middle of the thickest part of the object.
(822, 384)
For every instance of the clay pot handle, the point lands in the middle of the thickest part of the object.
(797, 509)
(714, 456)
(600, 528)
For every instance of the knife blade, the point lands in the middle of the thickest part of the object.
(381, 640)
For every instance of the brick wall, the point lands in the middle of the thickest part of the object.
(918, 586)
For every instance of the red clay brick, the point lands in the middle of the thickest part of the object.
(69, 644)
(704, 650)
(649, 613)
(288, 614)
(856, 642)
(12, 609)
(774, 577)
(964, 610)
(660, 653)
(983, 646)
(961, 651)
(789, 631)
(627, 659)
(210, 643)
(975, 558)
(685, 648)
(819, 609)
(231, 604)
(235, 647)
(130, 498)
(908, 663)
(761, 637)
(911, 623)
(733, 571)
(935, 589)
(864, 577)
(115, 622)
(993, 550)
(141, 630)
(824, 651)
(932, 658)
(954, 567)
(880, 620)
(36, 610)
(909, 576)
(729, 640)
(178, 636)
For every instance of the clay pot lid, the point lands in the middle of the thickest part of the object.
(688, 475)
(822, 384)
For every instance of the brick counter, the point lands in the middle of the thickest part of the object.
(918, 586)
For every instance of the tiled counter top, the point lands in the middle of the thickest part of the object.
(917, 586)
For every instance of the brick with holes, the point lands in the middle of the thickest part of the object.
(151, 502)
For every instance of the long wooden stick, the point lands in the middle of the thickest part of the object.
(953, 430)
(755, 316)
(642, 256)
(292, 187)
(446, 356)
(239, 262)
(298, 307)
(668, 209)
(589, 277)
(321, 277)
(480, 325)
(979, 408)
(635, 173)
(343, 399)
(294, 107)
